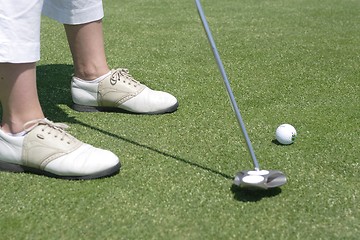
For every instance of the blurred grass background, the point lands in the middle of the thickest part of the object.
(289, 61)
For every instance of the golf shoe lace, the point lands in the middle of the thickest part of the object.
(122, 74)
(49, 127)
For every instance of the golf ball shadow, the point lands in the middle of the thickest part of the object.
(276, 142)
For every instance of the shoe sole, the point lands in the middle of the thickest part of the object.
(10, 167)
(84, 108)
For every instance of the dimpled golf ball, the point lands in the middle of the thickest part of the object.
(285, 134)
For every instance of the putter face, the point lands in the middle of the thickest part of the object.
(261, 179)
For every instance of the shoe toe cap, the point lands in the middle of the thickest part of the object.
(86, 160)
(152, 102)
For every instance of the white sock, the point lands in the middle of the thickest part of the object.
(97, 80)
(20, 134)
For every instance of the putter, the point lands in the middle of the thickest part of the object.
(249, 179)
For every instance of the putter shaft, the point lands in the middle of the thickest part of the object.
(227, 84)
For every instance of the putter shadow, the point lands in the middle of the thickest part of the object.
(246, 195)
(177, 158)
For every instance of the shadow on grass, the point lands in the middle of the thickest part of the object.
(179, 159)
(245, 195)
(276, 142)
(54, 89)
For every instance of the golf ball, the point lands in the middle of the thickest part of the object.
(285, 134)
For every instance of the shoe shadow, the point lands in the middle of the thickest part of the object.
(54, 89)
(53, 84)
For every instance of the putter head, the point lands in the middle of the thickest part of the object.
(259, 179)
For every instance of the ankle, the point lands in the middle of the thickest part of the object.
(16, 127)
(89, 74)
(96, 80)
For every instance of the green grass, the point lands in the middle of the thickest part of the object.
(289, 61)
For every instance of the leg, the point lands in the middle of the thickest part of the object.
(18, 95)
(41, 147)
(108, 91)
(118, 90)
(87, 47)
(19, 50)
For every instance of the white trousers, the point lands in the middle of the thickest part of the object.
(20, 24)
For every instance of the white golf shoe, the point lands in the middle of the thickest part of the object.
(119, 91)
(46, 149)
